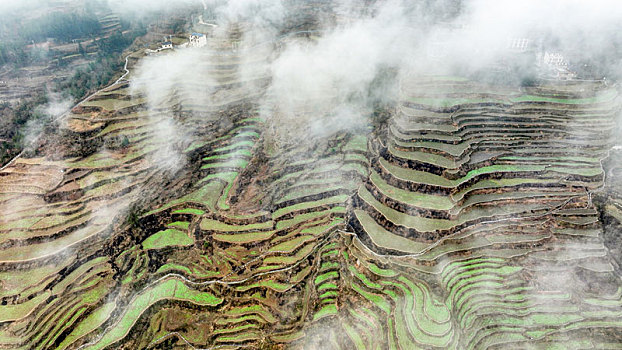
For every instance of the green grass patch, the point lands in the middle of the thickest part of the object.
(236, 154)
(375, 299)
(191, 211)
(325, 277)
(383, 238)
(259, 310)
(327, 310)
(182, 225)
(308, 205)
(232, 163)
(167, 238)
(356, 143)
(92, 322)
(425, 157)
(270, 284)
(291, 245)
(308, 216)
(243, 238)
(292, 259)
(603, 97)
(417, 199)
(213, 225)
(167, 289)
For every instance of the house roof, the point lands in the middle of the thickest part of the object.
(167, 43)
(197, 34)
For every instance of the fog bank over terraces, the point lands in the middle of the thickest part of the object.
(290, 174)
(359, 53)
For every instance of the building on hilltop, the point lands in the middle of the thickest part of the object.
(555, 65)
(197, 40)
(519, 44)
(167, 44)
(554, 59)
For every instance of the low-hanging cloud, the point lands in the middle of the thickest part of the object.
(140, 7)
(481, 33)
(262, 12)
(56, 106)
(331, 83)
(185, 79)
(327, 83)
(174, 79)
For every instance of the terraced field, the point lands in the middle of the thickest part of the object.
(467, 221)
(490, 204)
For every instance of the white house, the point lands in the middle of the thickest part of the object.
(555, 65)
(519, 44)
(166, 45)
(198, 40)
(554, 59)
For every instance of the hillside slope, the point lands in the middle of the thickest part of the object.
(467, 220)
